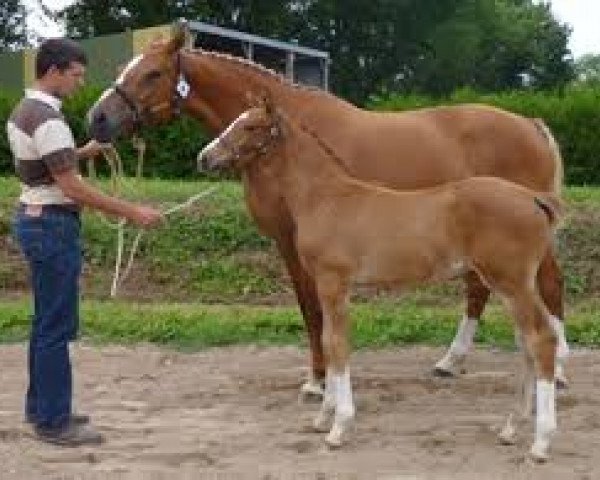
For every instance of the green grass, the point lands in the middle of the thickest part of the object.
(213, 252)
(209, 262)
(195, 326)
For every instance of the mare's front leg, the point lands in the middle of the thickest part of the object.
(337, 401)
(477, 297)
(306, 293)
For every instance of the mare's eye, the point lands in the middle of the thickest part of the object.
(151, 76)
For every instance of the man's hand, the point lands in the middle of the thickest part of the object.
(146, 217)
(91, 149)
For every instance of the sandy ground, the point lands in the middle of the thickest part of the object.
(234, 413)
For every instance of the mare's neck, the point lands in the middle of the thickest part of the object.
(223, 87)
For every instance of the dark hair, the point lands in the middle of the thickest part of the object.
(58, 52)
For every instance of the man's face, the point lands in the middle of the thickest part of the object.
(69, 80)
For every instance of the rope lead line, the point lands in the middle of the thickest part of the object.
(116, 180)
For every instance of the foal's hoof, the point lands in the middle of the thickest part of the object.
(539, 453)
(338, 434)
(508, 435)
(312, 390)
(561, 383)
(560, 379)
(322, 424)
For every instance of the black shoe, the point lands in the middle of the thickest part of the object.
(70, 435)
(77, 419)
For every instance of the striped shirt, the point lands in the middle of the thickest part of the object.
(42, 145)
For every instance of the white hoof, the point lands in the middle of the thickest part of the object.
(312, 388)
(339, 433)
(449, 366)
(508, 434)
(562, 382)
(322, 423)
(539, 452)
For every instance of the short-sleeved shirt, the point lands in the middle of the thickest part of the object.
(42, 144)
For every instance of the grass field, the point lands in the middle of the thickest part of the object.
(209, 278)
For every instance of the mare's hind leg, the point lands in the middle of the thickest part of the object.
(550, 285)
(477, 297)
(306, 293)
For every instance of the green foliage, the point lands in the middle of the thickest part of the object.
(493, 45)
(7, 102)
(432, 46)
(171, 149)
(587, 69)
(13, 29)
(573, 116)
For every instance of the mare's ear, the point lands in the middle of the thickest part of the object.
(181, 36)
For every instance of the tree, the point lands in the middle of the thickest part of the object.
(13, 31)
(587, 69)
(429, 46)
(494, 45)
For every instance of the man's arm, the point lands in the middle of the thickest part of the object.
(84, 194)
(90, 150)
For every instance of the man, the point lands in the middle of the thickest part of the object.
(47, 227)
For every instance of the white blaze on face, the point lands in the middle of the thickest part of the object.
(134, 61)
(212, 145)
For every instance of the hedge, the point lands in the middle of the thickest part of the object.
(573, 115)
(171, 149)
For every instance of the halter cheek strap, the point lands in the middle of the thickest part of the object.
(182, 88)
(180, 93)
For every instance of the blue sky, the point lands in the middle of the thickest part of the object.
(582, 15)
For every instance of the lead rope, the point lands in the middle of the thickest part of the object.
(117, 176)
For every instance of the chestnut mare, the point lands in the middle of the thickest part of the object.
(402, 151)
(349, 231)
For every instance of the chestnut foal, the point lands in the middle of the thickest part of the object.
(349, 231)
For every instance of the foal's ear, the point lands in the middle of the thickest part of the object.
(267, 103)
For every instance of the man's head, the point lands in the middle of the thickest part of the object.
(60, 66)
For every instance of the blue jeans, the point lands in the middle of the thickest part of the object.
(51, 244)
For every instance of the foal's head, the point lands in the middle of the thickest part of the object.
(251, 135)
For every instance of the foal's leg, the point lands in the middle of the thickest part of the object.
(525, 389)
(539, 343)
(306, 293)
(337, 400)
(477, 297)
(550, 285)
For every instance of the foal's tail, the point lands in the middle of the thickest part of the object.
(559, 171)
(551, 205)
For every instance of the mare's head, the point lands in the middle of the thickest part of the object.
(253, 134)
(148, 91)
